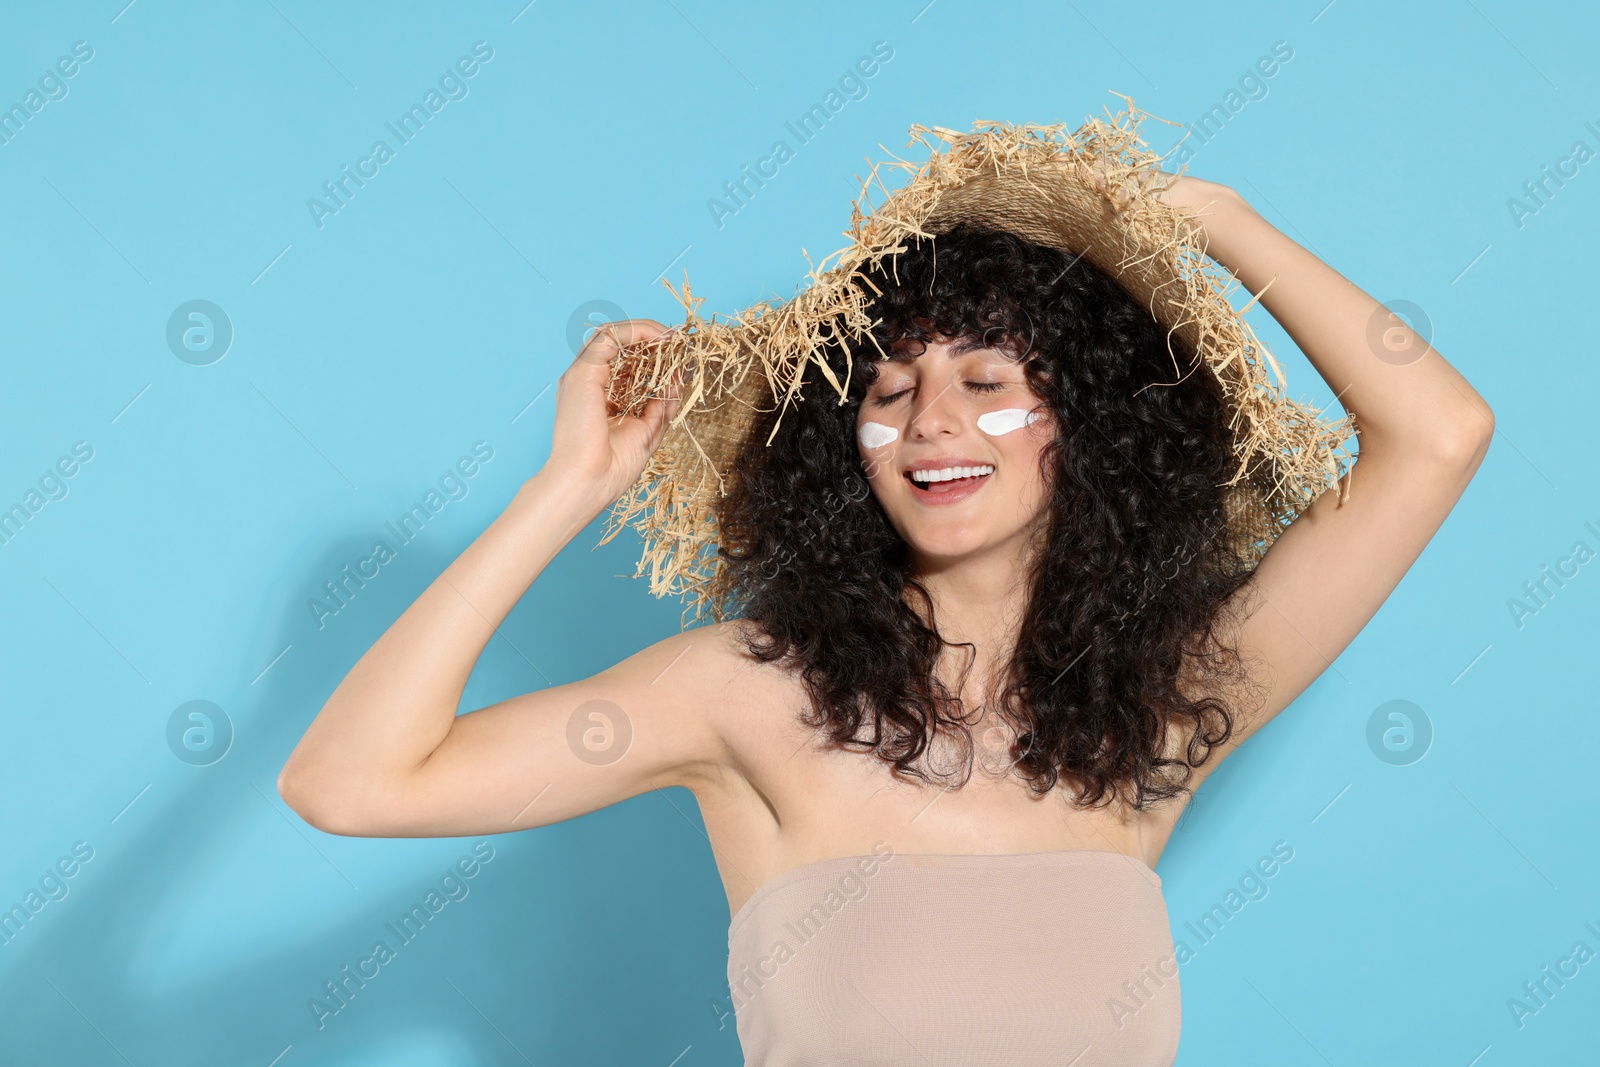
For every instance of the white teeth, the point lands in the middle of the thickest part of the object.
(949, 473)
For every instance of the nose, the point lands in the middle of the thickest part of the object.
(937, 414)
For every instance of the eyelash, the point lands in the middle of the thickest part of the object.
(982, 387)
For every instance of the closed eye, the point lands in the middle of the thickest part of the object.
(980, 387)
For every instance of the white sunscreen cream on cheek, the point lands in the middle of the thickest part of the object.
(876, 434)
(996, 423)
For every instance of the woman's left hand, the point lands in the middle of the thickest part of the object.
(1190, 195)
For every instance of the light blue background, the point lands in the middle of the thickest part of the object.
(426, 315)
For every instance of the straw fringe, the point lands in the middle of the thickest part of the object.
(758, 358)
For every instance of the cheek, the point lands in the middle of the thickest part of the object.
(1023, 451)
(874, 441)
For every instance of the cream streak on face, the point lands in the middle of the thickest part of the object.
(997, 423)
(993, 423)
(876, 434)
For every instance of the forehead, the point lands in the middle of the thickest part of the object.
(907, 351)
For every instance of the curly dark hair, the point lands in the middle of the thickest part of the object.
(1124, 592)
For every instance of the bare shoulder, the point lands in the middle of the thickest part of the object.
(698, 663)
(706, 678)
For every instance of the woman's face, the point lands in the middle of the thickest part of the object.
(956, 405)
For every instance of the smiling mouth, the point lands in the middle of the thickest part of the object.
(950, 480)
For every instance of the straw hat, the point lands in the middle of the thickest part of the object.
(999, 176)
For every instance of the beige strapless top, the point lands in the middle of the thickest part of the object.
(1020, 959)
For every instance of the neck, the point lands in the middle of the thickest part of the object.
(978, 598)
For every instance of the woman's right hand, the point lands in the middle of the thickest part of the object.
(596, 449)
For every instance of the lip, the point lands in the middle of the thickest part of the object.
(946, 461)
(948, 496)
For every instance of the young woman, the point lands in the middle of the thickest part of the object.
(991, 638)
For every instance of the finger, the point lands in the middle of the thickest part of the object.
(609, 338)
(639, 436)
(655, 419)
(673, 397)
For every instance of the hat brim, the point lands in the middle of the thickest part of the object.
(1032, 180)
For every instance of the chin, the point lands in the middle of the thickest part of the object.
(948, 543)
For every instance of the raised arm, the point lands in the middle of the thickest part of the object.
(1423, 433)
(388, 756)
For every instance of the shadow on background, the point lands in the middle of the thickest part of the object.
(565, 935)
